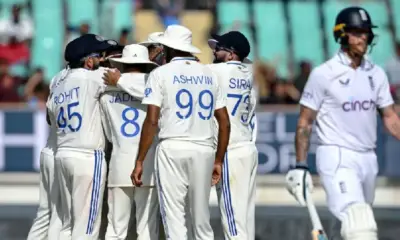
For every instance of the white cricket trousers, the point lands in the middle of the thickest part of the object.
(183, 174)
(121, 200)
(82, 181)
(237, 191)
(47, 224)
(347, 176)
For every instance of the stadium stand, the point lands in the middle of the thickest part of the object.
(191, 19)
(395, 6)
(234, 15)
(272, 34)
(119, 16)
(83, 12)
(47, 46)
(274, 22)
(384, 47)
(330, 10)
(306, 32)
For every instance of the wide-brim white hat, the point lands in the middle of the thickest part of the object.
(177, 37)
(212, 43)
(135, 54)
(150, 39)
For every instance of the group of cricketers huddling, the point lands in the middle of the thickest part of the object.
(173, 127)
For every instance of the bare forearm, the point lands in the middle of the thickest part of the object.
(223, 140)
(302, 141)
(146, 139)
(393, 126)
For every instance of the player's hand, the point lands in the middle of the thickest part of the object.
(297, 180)
(111, 77)
(136, 175)
(217, 172)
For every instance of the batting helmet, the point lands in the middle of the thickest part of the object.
(352, 18)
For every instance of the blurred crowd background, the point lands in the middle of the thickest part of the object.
(288, 37)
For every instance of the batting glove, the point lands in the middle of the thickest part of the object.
(298, 180)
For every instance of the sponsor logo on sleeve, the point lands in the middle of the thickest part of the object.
(147, 92)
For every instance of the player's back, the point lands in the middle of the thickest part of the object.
(75, 110)
(51, 144)
(189, 94)
(236, 81)
(123, 117)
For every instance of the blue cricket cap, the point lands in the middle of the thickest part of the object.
(85, 45)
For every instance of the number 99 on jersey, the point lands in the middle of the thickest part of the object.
(187, 102)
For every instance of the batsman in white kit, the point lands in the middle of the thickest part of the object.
(75, 110)
(183, 96)
(236, 191)
(344, 95)
(47, 224)
(122, 117)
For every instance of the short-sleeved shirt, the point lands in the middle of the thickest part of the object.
(188, 94)
(123, 114)
(347, 100)
(122, 117)
(75, 109)
(236, 82)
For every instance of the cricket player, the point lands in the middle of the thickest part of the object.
(114, 52)
(75, 110)
(182, 98)
(47, 224)
(156, 53)
(344, 95)
(123, 116)
(236, 191)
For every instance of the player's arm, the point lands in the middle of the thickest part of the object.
(224, 130)
(149, 130)
(299, 180)
(391, 120)
(133, 85)
(224, 126)
(303, 133)
(310, 103)
(153, 100)
(386, 108)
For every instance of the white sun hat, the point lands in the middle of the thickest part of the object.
(177, 37)
(150, 39)
(135, 54)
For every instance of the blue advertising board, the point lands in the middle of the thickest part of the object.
(24, 133)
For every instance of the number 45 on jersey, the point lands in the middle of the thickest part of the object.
(68, 118)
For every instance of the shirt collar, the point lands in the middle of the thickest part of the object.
(183, 59)
(234, 62)
(344, 59)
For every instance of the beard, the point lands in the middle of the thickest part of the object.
(216, 60)
(105, 64)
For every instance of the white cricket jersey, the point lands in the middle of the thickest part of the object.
(75, 110)
(346, 100)
(123, 116)
(188, 94)
(236, 81)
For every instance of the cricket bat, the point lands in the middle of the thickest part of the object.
(317, 232)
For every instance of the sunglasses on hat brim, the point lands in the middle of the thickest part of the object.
(219, 47)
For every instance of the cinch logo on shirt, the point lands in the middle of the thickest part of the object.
(358, 105)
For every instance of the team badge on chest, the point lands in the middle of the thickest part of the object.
(371, 83)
